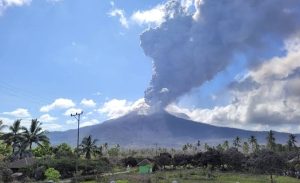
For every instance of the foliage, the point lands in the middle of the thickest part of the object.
(43, 150)
(88, 147)
(183, 159)
(4, 150)
(114, 151)
(13, 137)
(237, 142)
(34, 135)
(246, 148)
(52, 174)
(271, 140)
(269, 162)
(211, 157)
(233, 159)
(253, 142)
(291, 143)
(63, 150)
(5, 173)
(164, 159)
(131, 161)
(67, 166)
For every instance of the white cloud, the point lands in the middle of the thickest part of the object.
(47, 118)
(15, 2)
(155, 16)
(88, 103)
(83, 123)
(116, 108)
(4, 4)
(60, 103)
(89, 123)
(19, 113)
(52, 127)
(121, 14)
(71, 122)
(72, 111)
(268, 97)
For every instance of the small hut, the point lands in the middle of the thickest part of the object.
(145, 166)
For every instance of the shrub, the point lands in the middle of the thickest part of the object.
(131, 161)
(52, 174)
(6, 175)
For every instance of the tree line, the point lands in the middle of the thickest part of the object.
(243, 156)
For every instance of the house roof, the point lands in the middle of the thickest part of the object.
(22, 163)
(144, 162)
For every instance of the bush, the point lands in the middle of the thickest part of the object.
(6, 175)
(67, 166)
(131, 161)
(39, 173)
(52, 174)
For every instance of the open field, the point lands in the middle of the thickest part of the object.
(196, 176)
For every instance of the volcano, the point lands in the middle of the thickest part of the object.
(161, 128)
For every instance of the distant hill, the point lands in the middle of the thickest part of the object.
(134, 130)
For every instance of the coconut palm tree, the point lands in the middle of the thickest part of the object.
(271, 140)
(14, 136)
(253, 142)
(34, 135)
(291, 142)
(237, 142)
(225, 145)
(88, 147)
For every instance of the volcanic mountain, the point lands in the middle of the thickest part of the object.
(162, 128)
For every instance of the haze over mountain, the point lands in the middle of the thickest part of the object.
(145, 130)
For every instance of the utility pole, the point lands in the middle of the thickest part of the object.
(77, 116)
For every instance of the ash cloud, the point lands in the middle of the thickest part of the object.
(191, 47)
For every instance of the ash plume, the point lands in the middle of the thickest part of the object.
(191, 47)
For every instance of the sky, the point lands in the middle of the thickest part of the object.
(63, 56)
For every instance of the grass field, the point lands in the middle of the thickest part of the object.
(196, 176)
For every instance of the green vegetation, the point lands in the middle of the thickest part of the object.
(52, 174)
(243, 160)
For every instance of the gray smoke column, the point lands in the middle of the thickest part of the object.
(191, 47)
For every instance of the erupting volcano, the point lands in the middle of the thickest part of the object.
(190, 47)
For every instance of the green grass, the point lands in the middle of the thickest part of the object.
(198, 175)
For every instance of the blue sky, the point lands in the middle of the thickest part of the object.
(86, 55)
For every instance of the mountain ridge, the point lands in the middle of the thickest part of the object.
(162, 128)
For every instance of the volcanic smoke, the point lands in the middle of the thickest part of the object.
(193, 44)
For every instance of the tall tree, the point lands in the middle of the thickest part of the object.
(14, 136)
(225, 145)
(34, 135)
(88, 147)
(291, 143)
(253, 142)
(237, 142)
(271, 140)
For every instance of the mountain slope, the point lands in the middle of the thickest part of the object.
(162, 128)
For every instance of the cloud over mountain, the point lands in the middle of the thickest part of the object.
(267, 97)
